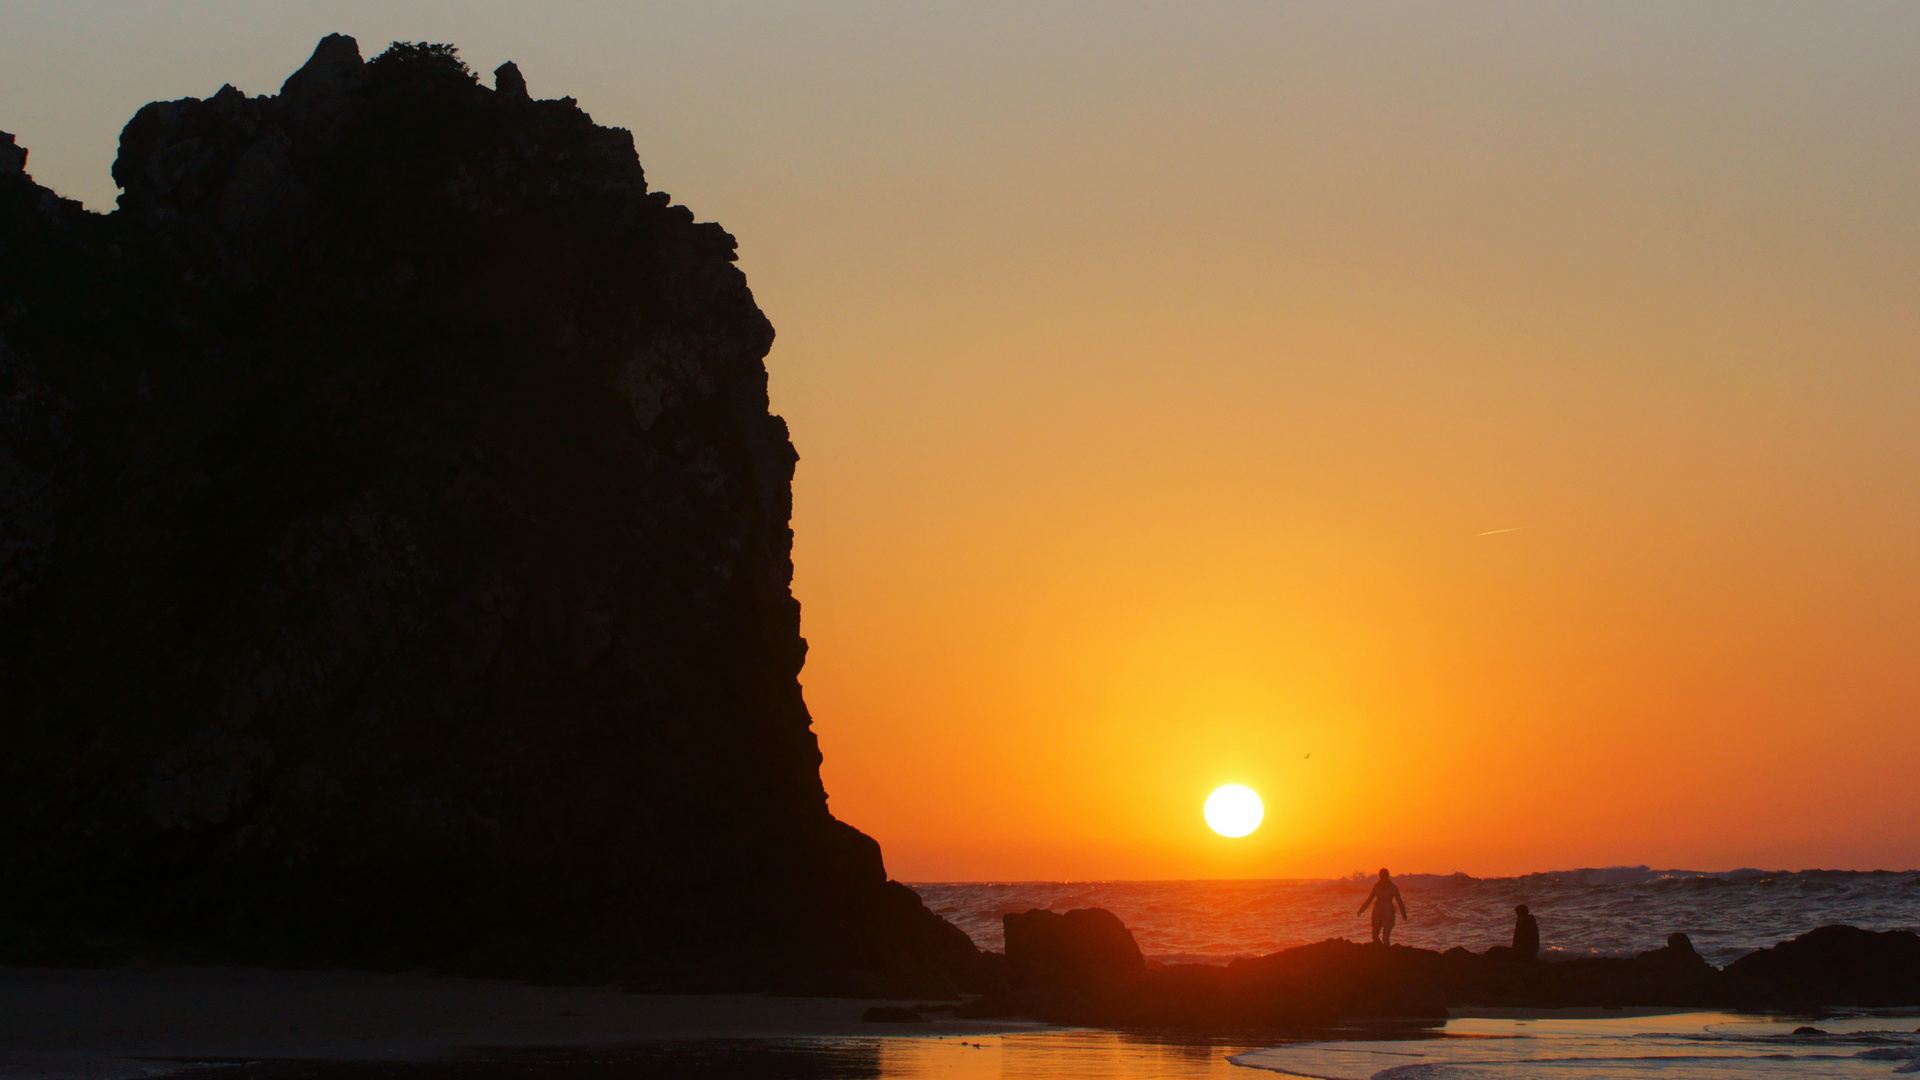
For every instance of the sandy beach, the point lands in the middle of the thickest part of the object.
(102, 1024)
(126, 1022)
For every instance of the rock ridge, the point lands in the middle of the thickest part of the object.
(1082, 967)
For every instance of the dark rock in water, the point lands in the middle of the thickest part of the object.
(1050, 949)
(1678, 954)
(1309, 986)
(1834, 965)
(1674, 975)
(1338, 980)
(1804, 1030)
(394, 558)
(1679, 947)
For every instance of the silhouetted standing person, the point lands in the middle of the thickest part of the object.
(1384, 896)
(1526, 934)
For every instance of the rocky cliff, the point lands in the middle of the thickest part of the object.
(394, 558)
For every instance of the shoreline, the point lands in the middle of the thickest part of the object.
(1573, 1012)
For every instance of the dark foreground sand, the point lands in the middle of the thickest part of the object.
(123, 1023)
(135, 1022)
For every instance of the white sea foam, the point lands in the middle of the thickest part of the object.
(1689, 1046)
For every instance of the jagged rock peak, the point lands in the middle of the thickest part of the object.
(13, 157)
(508, 80)
(333, 68)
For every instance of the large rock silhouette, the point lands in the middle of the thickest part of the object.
(394, 558)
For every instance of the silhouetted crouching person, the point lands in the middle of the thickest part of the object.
(1526, 939)
(1526, 934)
(1384, 896)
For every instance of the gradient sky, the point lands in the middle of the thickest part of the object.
(1161, 374)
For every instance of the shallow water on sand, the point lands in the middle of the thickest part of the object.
(1618, 911)
(1692, 1046)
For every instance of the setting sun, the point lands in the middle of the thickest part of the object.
(1234, 810)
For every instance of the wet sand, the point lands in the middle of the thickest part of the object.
(203, 1023)
(100, 1024)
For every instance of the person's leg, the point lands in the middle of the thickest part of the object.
(1386, 934)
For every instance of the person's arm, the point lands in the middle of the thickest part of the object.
(1371, 897)
(1402, 903)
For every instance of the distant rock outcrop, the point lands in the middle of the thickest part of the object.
(394, 558)
(1338, 980)
(1051, 949)
(1835, 965)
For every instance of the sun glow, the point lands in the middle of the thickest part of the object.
(1234, 810)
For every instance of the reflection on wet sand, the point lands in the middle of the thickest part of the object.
(1037, 1055)
(1065, 1055)
(1528, 1044)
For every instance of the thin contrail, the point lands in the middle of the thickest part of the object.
(1497, 532)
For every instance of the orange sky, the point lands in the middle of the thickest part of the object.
(1156, 369)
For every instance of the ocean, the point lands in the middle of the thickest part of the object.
(1617, 911)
